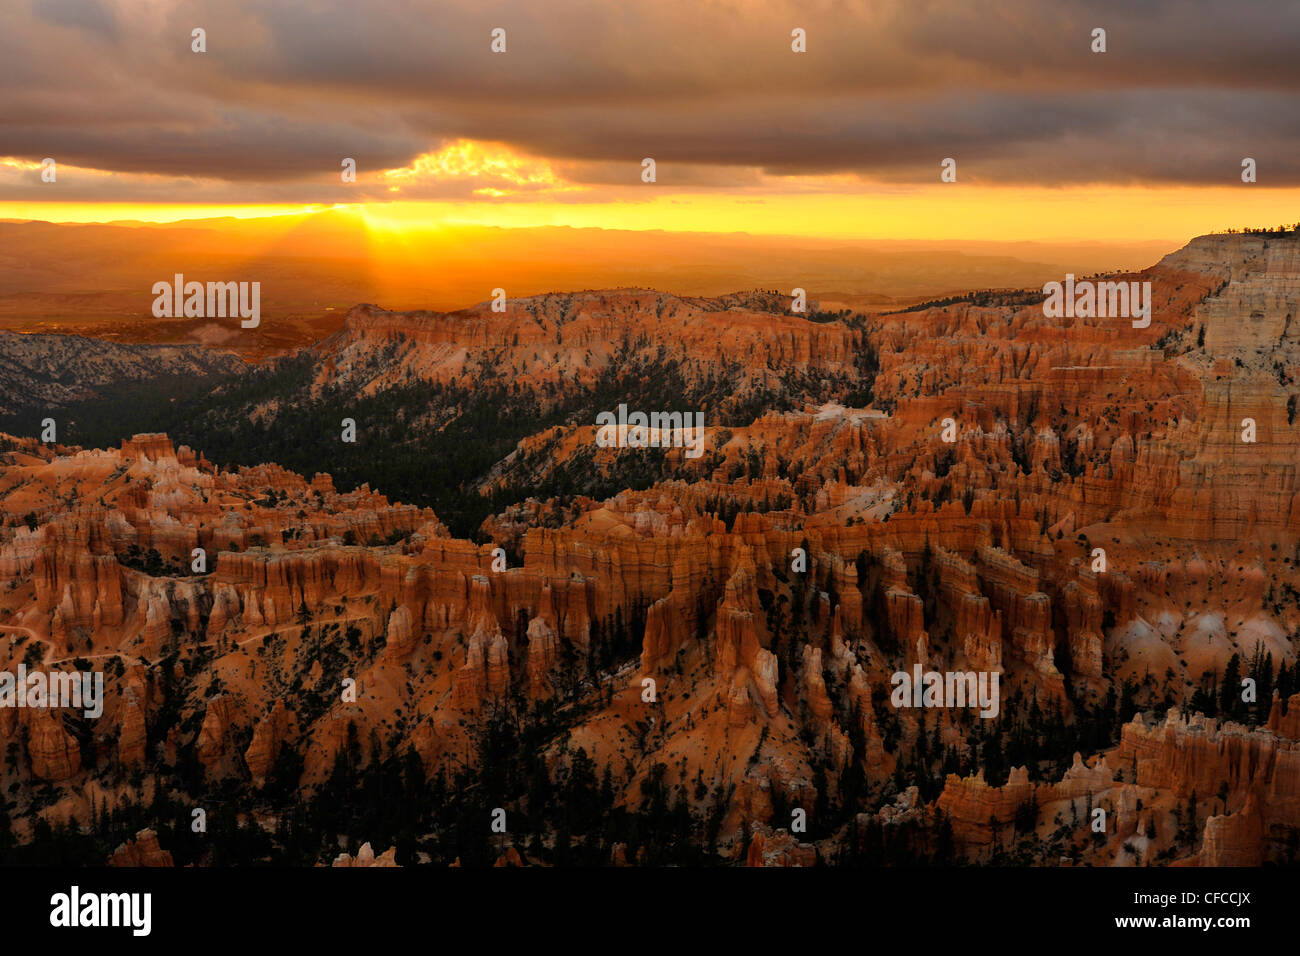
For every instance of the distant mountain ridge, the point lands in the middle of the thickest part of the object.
(50, 371)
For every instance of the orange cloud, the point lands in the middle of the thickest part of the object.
(495, 170)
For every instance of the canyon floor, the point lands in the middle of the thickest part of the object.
(475, 636)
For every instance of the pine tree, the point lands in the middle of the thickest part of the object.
(1230, 694)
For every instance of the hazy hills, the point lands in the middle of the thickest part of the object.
(96, 279)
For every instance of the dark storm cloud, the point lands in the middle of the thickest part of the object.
(886, 90)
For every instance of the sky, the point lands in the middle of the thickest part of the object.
(1051, 140)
